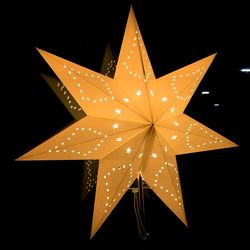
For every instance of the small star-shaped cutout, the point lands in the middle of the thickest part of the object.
(164, 99)
(154, 155)
(118, 111)
(115, 126)
(128, 150)
(173, 137)
(138, 93)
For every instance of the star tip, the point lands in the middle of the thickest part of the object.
(232, 144)
(38, 49)
(213, 55)
(19, 158)
(185, 222)
(24, 157)
(91, 235)
(131, 9)
(42, 52)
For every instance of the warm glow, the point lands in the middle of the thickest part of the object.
(134, 124)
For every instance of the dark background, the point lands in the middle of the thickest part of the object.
(43, 198)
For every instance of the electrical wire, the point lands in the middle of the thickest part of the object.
(141, 229)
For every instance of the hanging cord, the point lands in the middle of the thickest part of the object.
(141, 229)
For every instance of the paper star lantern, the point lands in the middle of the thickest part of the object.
(134, 125)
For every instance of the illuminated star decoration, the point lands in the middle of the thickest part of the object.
(134, 125)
